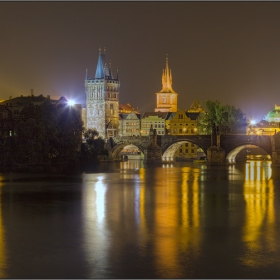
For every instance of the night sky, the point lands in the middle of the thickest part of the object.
(226, 51)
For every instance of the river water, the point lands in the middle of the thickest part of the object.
(129, 220)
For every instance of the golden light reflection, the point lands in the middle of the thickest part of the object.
(3, 262)
(259, 212)
(177, 219)
(190, 209)
(166, 224)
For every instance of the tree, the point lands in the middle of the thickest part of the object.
(94, 148)
(90, 135)
(220, 119)
(70, 129)
(47, 134)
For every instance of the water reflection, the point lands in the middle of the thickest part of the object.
(96, 236)
(162, 215)
(259, 214)
(135, 221)
(165, 214)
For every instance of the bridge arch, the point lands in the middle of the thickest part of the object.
(231, 156)
(168, 154)
(116, 151)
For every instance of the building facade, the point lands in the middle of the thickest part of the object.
(102, 99)
(129, 124)
(167, 98)
(181, 124)
(154, 120)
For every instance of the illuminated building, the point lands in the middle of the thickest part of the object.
(185, 122)
(263, 128)
(156, 120)
(274, 115)
(102, 99)
(167, 97)
(129, 124)
(268, 126)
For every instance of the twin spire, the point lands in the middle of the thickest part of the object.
(166, 79)
(103, 70)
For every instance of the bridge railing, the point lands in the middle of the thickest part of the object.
(123, 139)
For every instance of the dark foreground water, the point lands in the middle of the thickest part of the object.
(127, 220)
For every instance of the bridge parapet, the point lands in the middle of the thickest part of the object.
(131, 139)
(203, 141)
(231, 141)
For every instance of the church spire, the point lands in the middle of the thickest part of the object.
(167, 78)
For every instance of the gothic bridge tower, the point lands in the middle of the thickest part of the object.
(102, 99)
(167, 98)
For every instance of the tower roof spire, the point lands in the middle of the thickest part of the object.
(102, 70)
(167, 78)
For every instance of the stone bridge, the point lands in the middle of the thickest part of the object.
(218, 148)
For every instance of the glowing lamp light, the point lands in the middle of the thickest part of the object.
(71, 102)
(253, 122)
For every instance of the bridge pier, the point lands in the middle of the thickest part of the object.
(153, 153)
(216, 155)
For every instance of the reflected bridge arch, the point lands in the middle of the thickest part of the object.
(231, 156)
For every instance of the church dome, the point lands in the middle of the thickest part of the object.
(273, 116)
